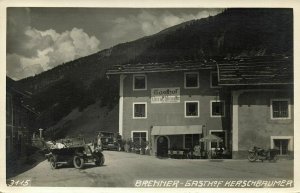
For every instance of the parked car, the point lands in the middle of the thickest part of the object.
(110, 141)
(110, 144)
(74, 151)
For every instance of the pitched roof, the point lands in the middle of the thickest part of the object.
(162, 67)
(256, 70)
(260, 70)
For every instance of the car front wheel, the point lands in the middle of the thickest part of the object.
(78, 162)
(53, 163)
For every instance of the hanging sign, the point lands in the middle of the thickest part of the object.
(165, 95)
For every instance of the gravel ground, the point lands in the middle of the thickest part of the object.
(124, 169)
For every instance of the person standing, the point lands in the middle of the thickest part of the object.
(99, 142)
(197, 151)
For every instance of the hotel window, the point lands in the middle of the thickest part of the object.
(139, 110)
(280, 109)
(282, 146)
(191, 140)
(214, 80)
(191, 80)
(222, 135)
(191, 109)
(217, 108)
(139, 82)
(139, 136)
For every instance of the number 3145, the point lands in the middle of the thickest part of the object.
(19, 183)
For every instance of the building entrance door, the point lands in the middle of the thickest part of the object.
(162, 146)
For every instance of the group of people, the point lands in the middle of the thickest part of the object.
(55, 145)
(59, 145)
(219, 152)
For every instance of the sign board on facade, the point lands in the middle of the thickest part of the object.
(165, 95)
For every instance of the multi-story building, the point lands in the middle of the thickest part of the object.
(262, 103)
(172, 105)
(19, 118)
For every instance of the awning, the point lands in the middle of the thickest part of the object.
(176, 130)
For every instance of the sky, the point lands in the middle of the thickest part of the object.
(39, 39)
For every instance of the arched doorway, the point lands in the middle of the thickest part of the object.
(162, 146)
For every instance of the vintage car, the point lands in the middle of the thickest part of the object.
(73, 151)
(110, 141)
(109, 144)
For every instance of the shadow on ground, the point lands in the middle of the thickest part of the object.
(86, 166)
(16, 165)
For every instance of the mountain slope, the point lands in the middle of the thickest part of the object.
(232, 33)
(235, 32)
(88, 122)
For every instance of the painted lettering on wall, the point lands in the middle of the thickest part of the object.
(165, 95)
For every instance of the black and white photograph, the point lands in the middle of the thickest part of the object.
(150, 97)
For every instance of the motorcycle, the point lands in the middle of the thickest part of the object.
(260, 154)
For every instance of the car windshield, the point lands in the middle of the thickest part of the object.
(106, 140)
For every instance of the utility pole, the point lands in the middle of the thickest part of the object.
(41, 132)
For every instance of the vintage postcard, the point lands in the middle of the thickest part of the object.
(149, 96)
